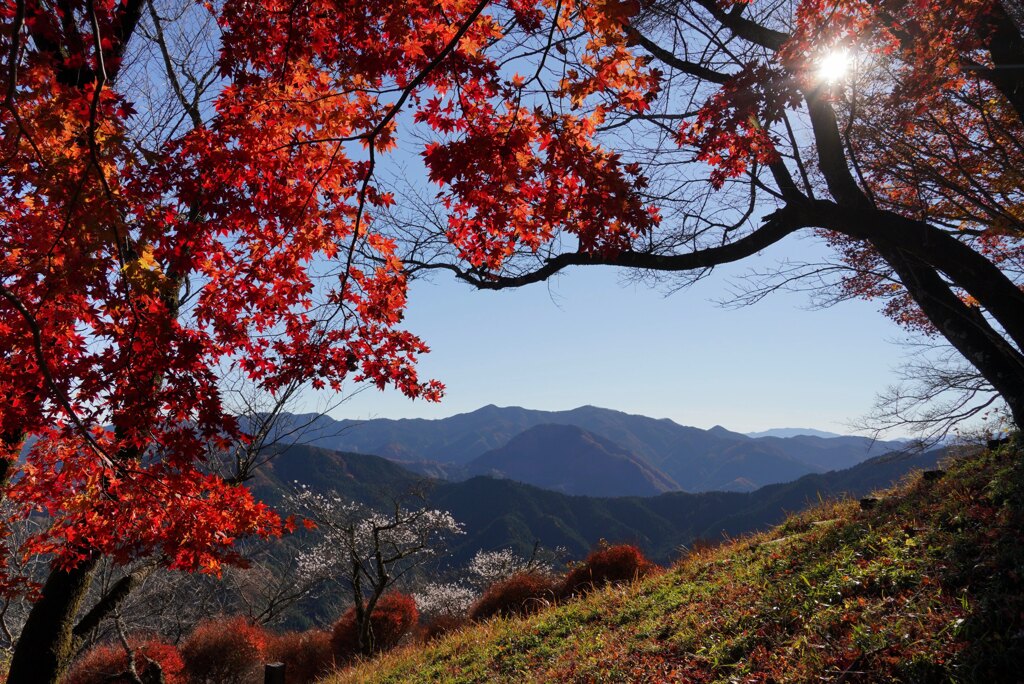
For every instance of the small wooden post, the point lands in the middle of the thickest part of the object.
(273, 673)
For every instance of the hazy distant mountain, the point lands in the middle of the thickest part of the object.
(695, 460)
(568, 459)
(793, 432)
(500, 513)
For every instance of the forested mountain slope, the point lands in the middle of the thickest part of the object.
(501, 513)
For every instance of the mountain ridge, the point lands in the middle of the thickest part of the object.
(695, 459)
(568, 459)
(794, 432)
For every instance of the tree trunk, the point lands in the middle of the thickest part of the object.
(366, 635)
(47, 644)
(918, 251)
(964, 327)
(933, 247)
(11, 443)
(366, 642)
(1006, 47)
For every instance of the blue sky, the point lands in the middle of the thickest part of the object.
(586, 338)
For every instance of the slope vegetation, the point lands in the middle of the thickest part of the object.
(925, 587)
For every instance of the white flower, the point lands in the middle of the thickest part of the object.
(444, 599)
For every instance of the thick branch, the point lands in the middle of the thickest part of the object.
(670, 59)
(1006, 47)
(964, 327)
(831, 153)
(968, 269)
(777, 226)
(745, 28)
(109, 602)
(81, 74)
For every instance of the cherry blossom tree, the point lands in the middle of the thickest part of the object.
(367, 551)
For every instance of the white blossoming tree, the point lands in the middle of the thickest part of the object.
(489, 567)
(454, 599)
(439, 599)
(366, 550)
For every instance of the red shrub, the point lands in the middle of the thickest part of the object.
(610, 565)
(438, 626)
(392, 618)
(520, 594)
(107, 664)
(306, 655)
(224, 650)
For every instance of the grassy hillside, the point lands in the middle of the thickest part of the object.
(926, 587)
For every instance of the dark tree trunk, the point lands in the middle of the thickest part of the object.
(12, 440)
(365, 642)
(964, 266)
(964, 327)
(51, 634)
(47, 644)
(1006, 47)
(365, 623)
(918, 252)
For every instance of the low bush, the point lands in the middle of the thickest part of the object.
(609, 565)
(225, 650)
(520, 594)
(392, 618)
(108, 664)
(438, 626)
(307, 656)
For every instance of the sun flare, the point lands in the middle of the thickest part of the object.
(835, 66)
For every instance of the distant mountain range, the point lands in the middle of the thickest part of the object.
(793, 432)
(589, 450)
(502, 513)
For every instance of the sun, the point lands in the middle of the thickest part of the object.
(835, 65)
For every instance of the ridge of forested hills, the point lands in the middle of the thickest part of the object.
(501, 513)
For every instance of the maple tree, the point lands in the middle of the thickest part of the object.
(173, 213)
